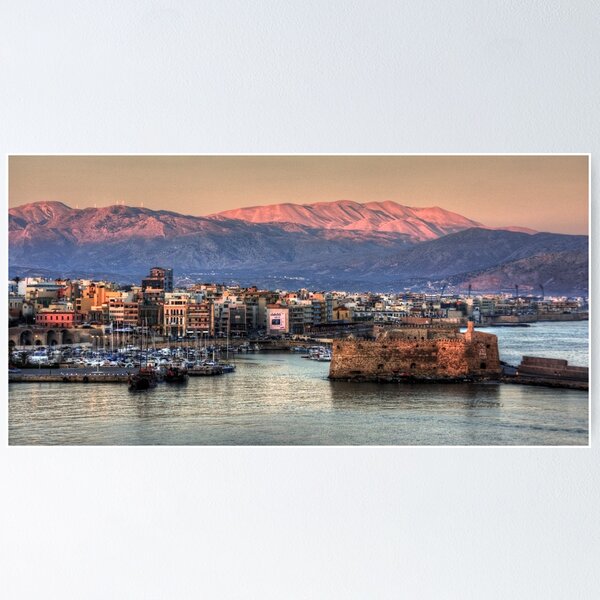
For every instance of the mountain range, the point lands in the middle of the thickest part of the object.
(333, 245)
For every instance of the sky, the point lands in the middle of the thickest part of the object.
(545, 192)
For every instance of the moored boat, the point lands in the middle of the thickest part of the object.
(227, 367)
(144, 379)
(320, 353)
(175, 374)
(203, 370)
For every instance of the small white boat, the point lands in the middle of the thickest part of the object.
(324, 356)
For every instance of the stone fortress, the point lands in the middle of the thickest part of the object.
(418, 353)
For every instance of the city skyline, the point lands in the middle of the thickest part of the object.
(542, 192)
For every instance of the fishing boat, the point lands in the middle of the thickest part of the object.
(176, 374)
(144, 379)
(205, 369)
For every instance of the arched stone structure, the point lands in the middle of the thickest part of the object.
(53, 337)
(26, 338)
(42, 336)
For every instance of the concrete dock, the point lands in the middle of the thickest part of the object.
(71, 375)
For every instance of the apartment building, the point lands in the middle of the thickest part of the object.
(123, 313)
(200, 319)
(57, 318)
(158, 279)
(175, 313)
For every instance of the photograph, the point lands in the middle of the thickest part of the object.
(301, 300)
(309, 299)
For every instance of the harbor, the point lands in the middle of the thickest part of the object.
(281, 398)
(85, 364)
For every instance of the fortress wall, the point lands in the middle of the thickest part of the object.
(357, 359)
(389, 359)
(483, 355)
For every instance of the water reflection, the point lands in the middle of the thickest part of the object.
(365, 396)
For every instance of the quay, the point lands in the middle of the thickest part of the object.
(72, 375)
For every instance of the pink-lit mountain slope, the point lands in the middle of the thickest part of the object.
(379, 221)
(419, 224)
(55, 220)
(124, 241)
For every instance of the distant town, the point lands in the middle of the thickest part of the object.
(62, 311)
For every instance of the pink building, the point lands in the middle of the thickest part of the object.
(58, 318)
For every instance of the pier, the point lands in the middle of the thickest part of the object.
(72, 375)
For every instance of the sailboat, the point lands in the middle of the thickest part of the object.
(205, 367)
(146, 378)
(177, 373)
(227, 366)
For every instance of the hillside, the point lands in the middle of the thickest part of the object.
(419, 224)
(126, 241)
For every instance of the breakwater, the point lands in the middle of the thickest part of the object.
(548, 372)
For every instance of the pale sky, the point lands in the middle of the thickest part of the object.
(546, 193)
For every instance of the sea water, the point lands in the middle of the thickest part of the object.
(285, 399)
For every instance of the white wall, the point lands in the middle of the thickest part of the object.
(335, 76)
